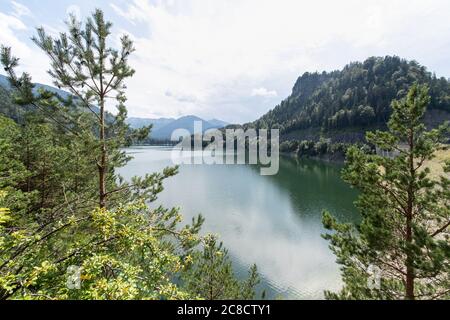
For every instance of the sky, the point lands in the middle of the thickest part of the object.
(236, 59)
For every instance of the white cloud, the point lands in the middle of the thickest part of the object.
(75, 10)
(10, 25)
(220, 51)
(20, 9)
(135, 12)
(181, 97)
(263, 92)
(217, 59)
(31, 60)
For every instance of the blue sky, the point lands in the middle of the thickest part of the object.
(236, 59)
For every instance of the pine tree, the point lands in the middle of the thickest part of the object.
(404, 231)
(214, 267)
(94, 73)
(49, 221)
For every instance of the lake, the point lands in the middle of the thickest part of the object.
(273, 221)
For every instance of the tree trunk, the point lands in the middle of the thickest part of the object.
(102, 165)
(409, 263)
(409, 290)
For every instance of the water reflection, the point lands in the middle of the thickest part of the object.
(273, 221)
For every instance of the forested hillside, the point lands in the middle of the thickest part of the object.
(11, 109)
(342, 105)
(8, 107)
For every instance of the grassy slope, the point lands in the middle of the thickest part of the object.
(436, 164)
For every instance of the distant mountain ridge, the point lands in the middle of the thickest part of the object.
(218, 123)
(158, 123)
(13, 111)
(4, 82)
(164, 127)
